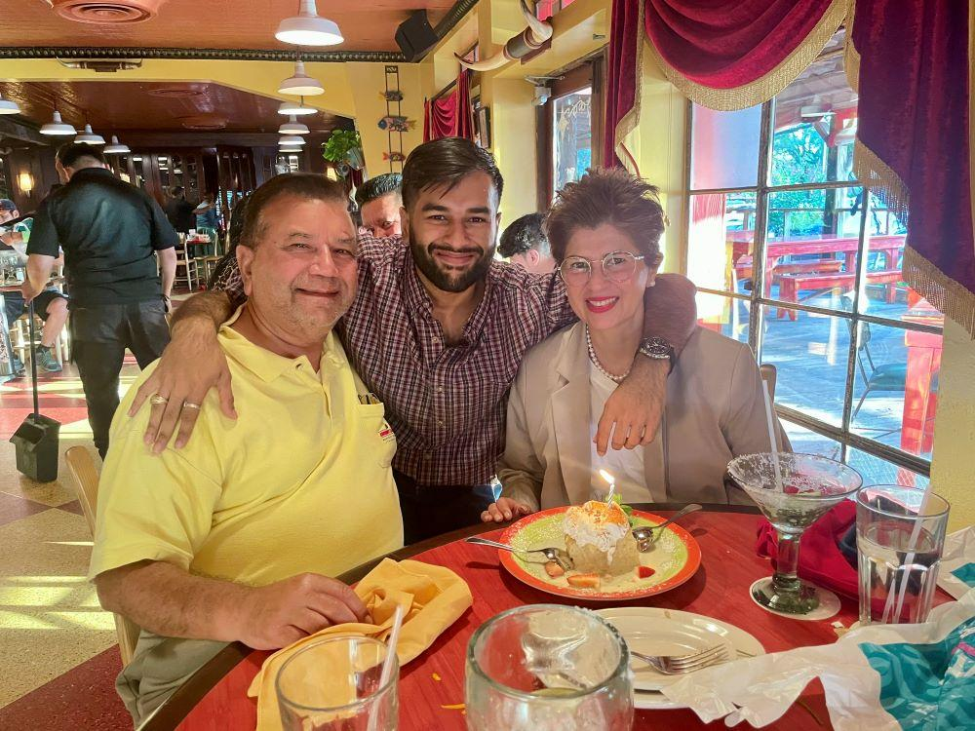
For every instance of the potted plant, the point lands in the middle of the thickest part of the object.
(344, 148)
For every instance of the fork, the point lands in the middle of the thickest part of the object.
(558, 555)
(683, 664)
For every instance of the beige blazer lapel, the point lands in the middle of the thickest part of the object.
(570, 411)
(654, 467)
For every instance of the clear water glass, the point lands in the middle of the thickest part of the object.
(806, 487)
(547, 667)
(334, 685)
(897, 578)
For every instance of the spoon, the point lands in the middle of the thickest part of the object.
(558, 555)
(647, 535)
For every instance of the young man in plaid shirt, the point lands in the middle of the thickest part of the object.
(437, 333)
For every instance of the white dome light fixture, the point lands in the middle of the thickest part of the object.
(308, 29)
(297, 109)
(88, 137)
(301, 84)
(8, 107)
(294, 127)
(291, 140)
(116, 148)
(57, 128)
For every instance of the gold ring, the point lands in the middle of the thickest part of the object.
(156, 400)
(188, 405)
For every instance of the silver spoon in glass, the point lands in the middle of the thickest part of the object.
(646, 535)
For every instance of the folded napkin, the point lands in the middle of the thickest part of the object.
(822, 558)
(957, 573)
(432, 597)
(902, 677)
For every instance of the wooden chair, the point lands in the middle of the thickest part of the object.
(186, 267)
(769, 374)
(85, 474)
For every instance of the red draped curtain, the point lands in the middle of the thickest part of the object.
(450, 115)
(909, 61)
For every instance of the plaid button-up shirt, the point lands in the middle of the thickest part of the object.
(446, 404)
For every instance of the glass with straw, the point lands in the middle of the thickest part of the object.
(793, 491)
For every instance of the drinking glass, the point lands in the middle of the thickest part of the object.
(899, 545)
(807, 487)
(334, 685)
(546, 667)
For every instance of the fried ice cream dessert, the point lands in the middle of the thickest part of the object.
(599, 540)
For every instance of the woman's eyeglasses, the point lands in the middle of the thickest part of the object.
(618, 266)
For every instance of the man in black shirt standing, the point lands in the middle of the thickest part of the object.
(179, 211)
(111, 234)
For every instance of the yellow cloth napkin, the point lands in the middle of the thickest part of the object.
(432, 597)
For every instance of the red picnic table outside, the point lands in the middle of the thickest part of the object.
(216, 696)
(890, 246)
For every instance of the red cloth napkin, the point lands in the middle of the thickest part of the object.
(820, 559)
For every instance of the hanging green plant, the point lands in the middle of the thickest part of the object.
(344, 146)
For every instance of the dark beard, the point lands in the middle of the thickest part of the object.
(449, 281)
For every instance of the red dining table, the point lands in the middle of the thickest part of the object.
(432, 685)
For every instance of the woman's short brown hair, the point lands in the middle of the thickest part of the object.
(608, 196)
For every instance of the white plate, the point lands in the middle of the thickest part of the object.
(671, 632)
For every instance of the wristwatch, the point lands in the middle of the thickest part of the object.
(658, 349)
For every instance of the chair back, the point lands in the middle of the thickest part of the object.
(769, 375)
(85, 474)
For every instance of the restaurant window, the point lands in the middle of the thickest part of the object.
(570, 142)
(794, 255)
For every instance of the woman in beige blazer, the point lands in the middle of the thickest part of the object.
(605, 231)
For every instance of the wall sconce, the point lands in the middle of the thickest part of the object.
(26, 183)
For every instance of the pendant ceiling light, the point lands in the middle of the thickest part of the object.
(8, 107)
(290, 140)
(116, 148)
(293, 127)
(57, 128)
(308, 29)
(298, 109)
(301, 84)
(89, 138)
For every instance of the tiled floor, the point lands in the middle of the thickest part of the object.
(57, 647)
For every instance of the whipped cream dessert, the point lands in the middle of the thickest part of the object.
(598, 538)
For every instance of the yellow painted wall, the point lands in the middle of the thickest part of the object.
(953, 466)
(658, 147)
(351, 89)
(513, 143)
(367, 81)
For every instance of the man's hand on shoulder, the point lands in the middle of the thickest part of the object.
(276, 615)
(190, 366)
(633, 411)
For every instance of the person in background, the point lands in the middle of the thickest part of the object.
(525, 242)
(605, 231)
(179, 211)
(437, 332)
(380, 200)
(50, 305)
(206, 213)
(182, 540)
(111, 233)
(234, 230)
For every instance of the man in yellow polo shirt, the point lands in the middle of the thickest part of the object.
(234, 536)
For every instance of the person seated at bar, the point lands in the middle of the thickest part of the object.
(525, 242)
(605, 232)
(51, 305)
(234, 537)
(380, 200)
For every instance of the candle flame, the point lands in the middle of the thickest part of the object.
(607, 476)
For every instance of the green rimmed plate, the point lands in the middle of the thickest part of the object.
(675, 558)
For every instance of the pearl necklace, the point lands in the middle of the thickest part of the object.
(595, 361)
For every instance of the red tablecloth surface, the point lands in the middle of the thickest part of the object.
(719, 589)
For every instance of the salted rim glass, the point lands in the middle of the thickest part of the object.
(577, 270)
(371, 698)
(621, 668)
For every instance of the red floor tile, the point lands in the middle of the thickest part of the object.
(84, 698)
(13, 508)
(73, 507)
